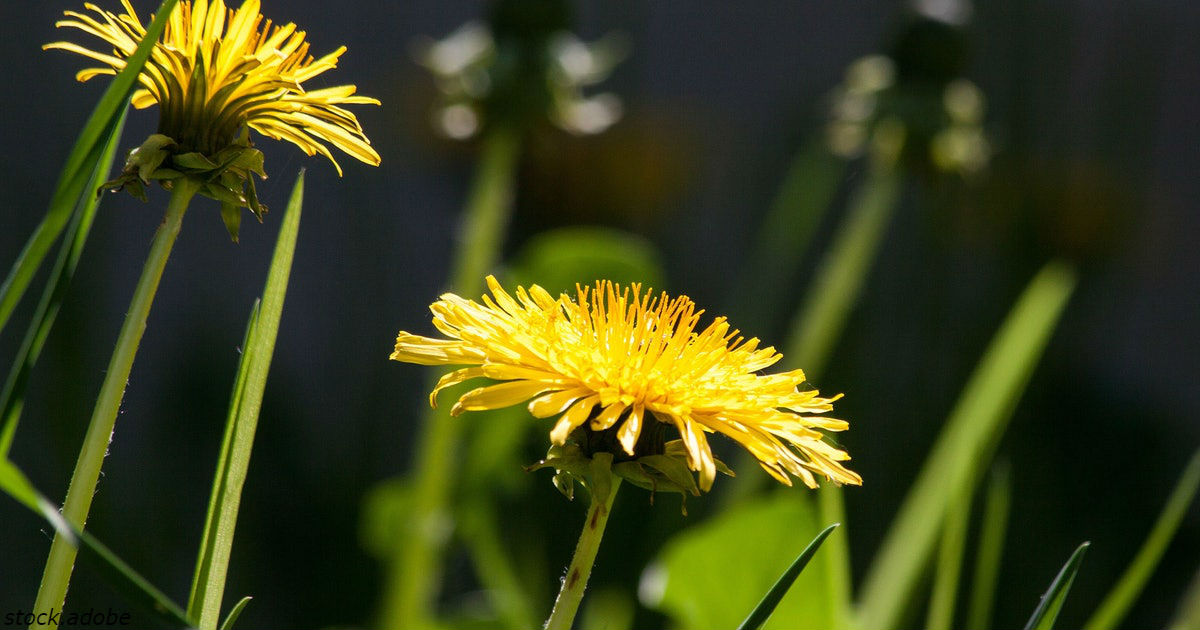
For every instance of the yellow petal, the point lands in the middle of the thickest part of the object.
(499, 396)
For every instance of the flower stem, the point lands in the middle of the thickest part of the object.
(416, 566)
(569, 596)
(61, 561)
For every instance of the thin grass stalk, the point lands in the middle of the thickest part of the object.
(57, 574)
(991, 545)
(1117, 603)
(415, 570)
(949, 563)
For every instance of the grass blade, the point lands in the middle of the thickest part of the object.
(1117, 603)
(12, 396)
(236, 612)
(1048, 608)
(73, 180)
(991, 544)
(949, 563)
(965, 445)
(120, 575)
(1187, 616)
(212, 565)
(763, 610)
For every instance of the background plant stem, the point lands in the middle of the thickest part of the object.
(416, 570)
(61, 561)
(575, 582)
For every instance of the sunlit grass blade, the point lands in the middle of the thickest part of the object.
(212, 565)
(12, 396)
(965, 446)
(1116, 604)
(1047, 610)
(81, 163)
(234, 613)
(763, 610)
(991, 545)
(786, 233)
(949, 563)
(118, 574)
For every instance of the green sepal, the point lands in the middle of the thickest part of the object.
(194, 162)
(231, 214)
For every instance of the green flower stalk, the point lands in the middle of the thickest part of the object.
(215, 74)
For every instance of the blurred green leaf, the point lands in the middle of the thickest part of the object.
(709, 575)
(212, 565)
(73, 180)
(12, 397)
(949, 563)
(608, 608)
(559, 259)
(1046, 613)
(763, 610)
(118, 574)
(965, 446)
(1187, 616)
(1117, 603)
(991, 544)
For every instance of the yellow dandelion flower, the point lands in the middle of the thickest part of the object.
(216, 70)
(620, 365)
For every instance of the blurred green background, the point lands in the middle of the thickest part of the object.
(1091, 111)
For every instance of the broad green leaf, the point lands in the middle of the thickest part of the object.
(13, 394)
(119, 574)
(1117, 603)
(236, 612)
(965, 446)
(81, 163)
(991, 544)
(559, 259)
(208, 585)
(1047, 610)
(763, 610)
(709, 575)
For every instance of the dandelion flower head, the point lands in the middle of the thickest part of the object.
(216, 70)
(624, 364)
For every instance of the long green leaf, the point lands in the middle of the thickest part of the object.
(763, 610)
(1126, 591)
(12, 396)
(991, 544)
(212, 565)
(119, 574)
(965, 445)
(73, 180)
(1047, 610)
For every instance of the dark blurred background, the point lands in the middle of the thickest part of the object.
(1092, 110)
